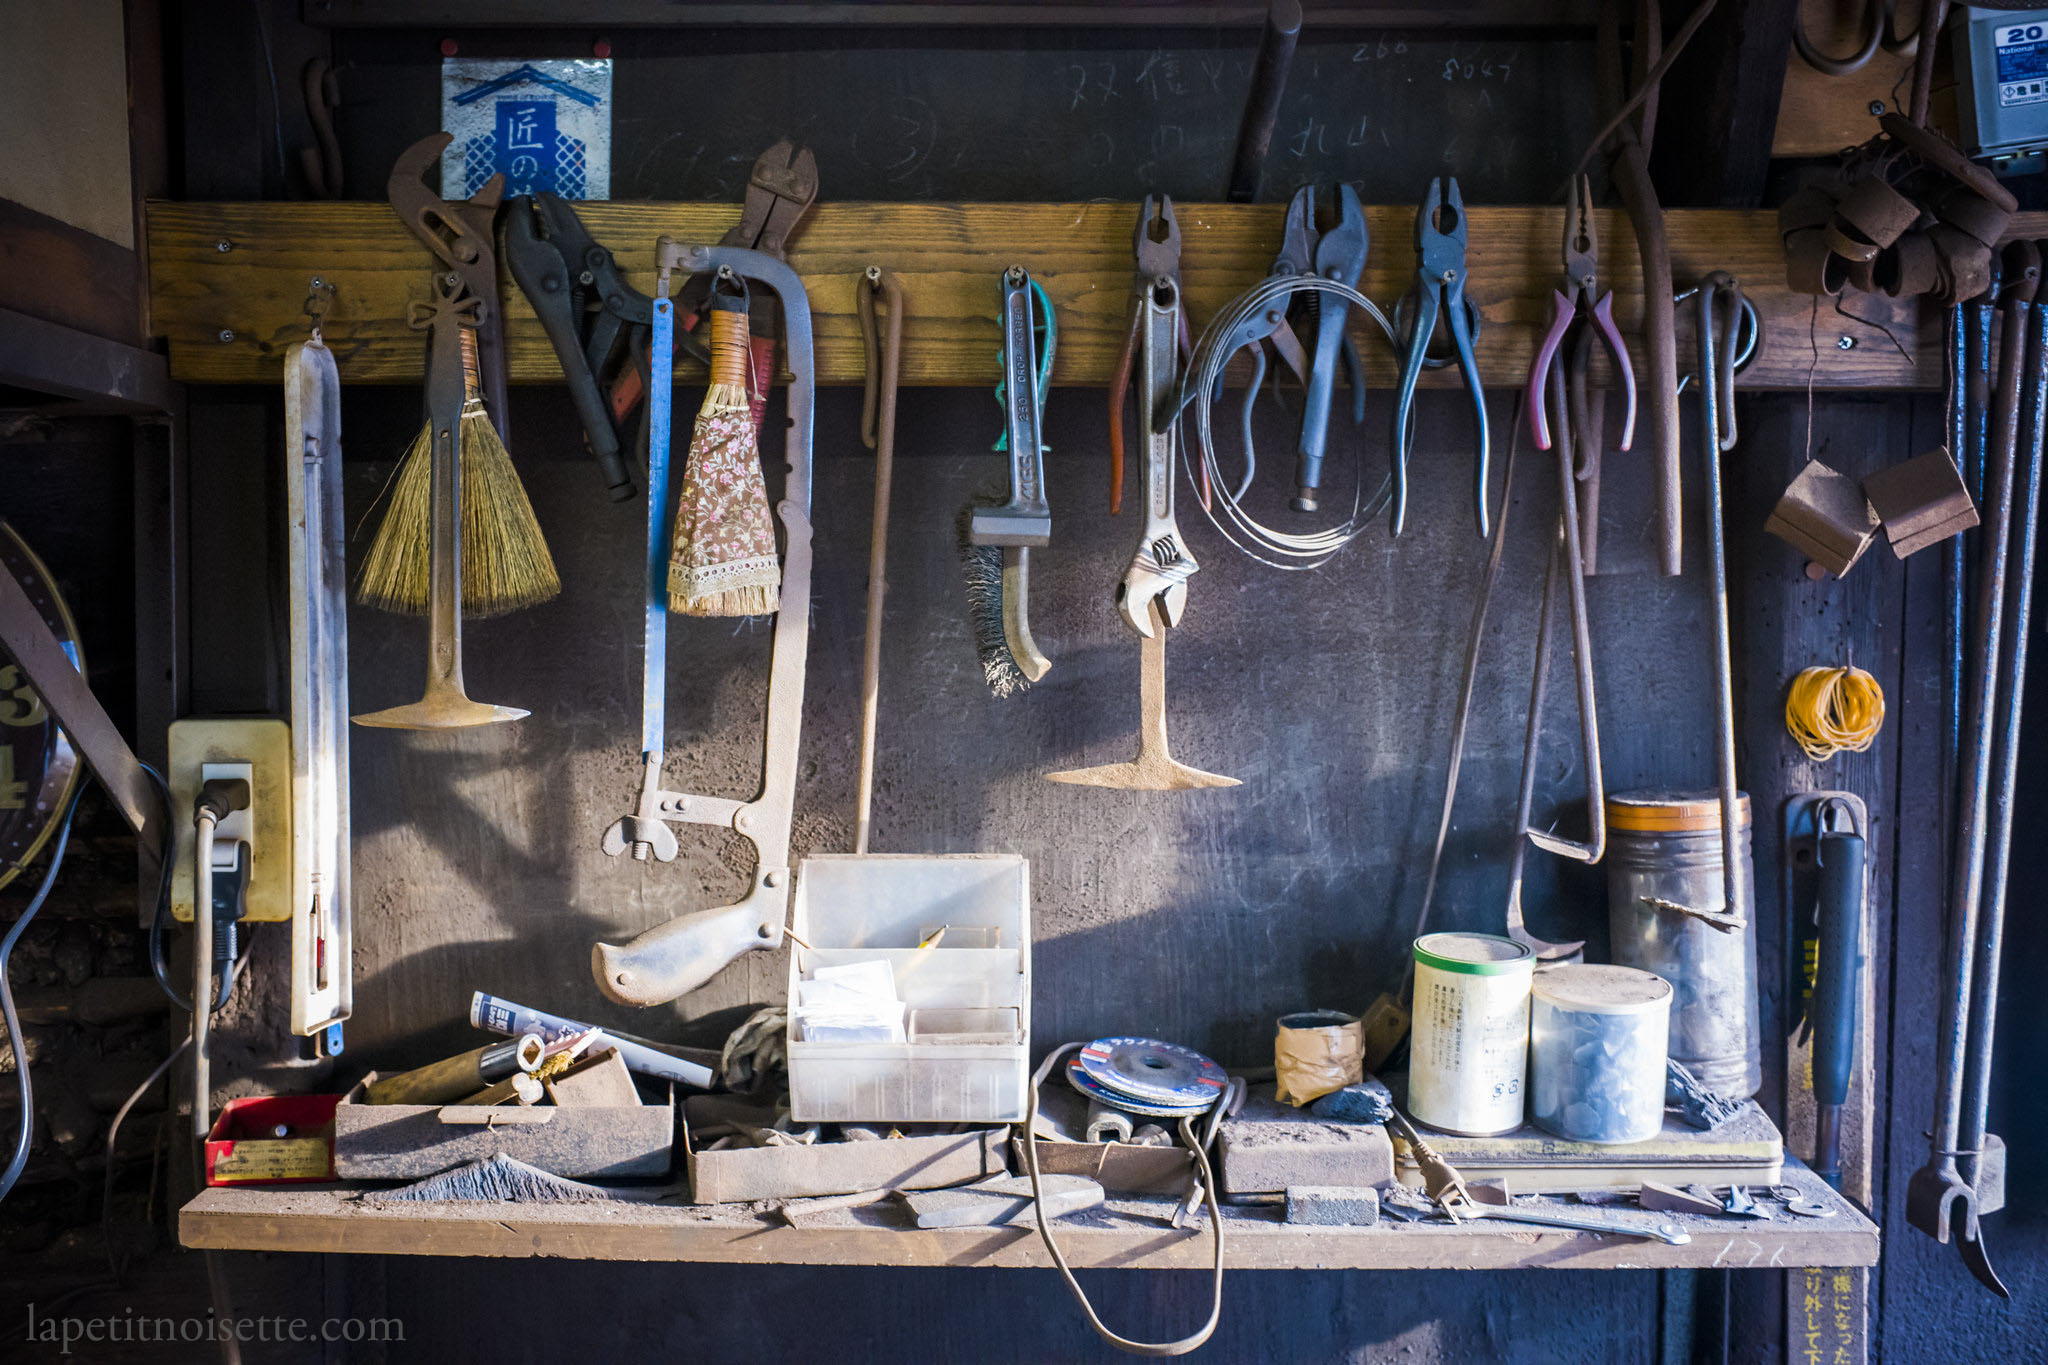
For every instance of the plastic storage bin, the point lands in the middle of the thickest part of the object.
(967, 1058)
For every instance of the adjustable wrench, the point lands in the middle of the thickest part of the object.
(1163, 563)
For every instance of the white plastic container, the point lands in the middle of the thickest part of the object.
(1597, 1040)
(1469, 1045)
(967, 1000)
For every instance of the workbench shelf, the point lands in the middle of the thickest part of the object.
(1124, 1234)
(229, 285)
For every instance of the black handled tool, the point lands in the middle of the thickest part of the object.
(1840, 861)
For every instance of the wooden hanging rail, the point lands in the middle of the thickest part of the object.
(228, 283)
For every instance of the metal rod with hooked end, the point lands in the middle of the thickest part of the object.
(1717, 435)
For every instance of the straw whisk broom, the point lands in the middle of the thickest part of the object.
(723, 560)
(505, 559)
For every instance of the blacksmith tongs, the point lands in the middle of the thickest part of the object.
(1439, 290)
(1579, 313)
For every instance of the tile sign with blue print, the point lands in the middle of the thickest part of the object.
(546, 125)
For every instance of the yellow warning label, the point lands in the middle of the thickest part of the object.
(273, 1159)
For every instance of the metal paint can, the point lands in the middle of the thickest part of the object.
(1470, 1042)
(1597, 1035)
(1663, 861)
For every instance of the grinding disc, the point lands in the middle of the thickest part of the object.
(1101, 1093)
(1154, 1072)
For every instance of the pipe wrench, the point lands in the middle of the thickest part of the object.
(462, 237)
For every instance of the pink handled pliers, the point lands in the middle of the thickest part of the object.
(1575, 302)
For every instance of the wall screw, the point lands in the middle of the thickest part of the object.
(1877, 108)
(1845, 343)
(223, 246)
(226, 335)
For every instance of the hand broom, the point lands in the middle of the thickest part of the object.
(723, 561)
(505, 559)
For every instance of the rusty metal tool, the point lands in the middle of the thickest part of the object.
(444, 705)
(597, 323)
(883, 342)
(1629, 150)
(1939, 1200)
(671, 959)
(781, 189)
(1564, 561)
(1156, 246)
(1438, 292)
(1262, 102)
(1153, 591)
(1981, 1154)
(1579, 314)
(462, 235)
(1719, 342)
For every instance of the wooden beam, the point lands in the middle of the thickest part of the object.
(624, 14)
(69, 364)
(229, 281)
(1125, 1234)
(1719, 106)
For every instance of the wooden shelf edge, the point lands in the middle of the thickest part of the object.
(228, 283)
(1132, 1236)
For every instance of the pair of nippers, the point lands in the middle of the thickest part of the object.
(1578, 301)
(1558, 394)
(1156, 246)
(1439, 291)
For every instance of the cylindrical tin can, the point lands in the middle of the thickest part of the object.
(1663, 875)
(1470, 1042)
(1597, 1036)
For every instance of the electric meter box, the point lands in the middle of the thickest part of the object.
(2001, 60)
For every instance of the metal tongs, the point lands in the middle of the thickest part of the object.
(679, 956)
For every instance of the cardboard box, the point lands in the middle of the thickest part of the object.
(739, 1175)
(411, 1141)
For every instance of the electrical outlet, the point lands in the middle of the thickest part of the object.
(259, 751)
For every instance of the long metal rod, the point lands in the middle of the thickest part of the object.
(2013, 691)
(886, 356)
(1961, 423)
(1716, 435)
(1967, 873)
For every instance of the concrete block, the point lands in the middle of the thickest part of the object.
(1333, 1206)
(1268, 1147)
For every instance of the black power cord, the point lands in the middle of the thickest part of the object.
(159, 964)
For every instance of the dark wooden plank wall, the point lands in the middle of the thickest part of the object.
(1198, 916)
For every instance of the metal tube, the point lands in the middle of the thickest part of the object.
(874, 284)
(2013, 686)
(1716, 376)
(1262, 103)
(202, 974)
(1967, 872)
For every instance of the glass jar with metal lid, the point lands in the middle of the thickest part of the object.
(1667, 913)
